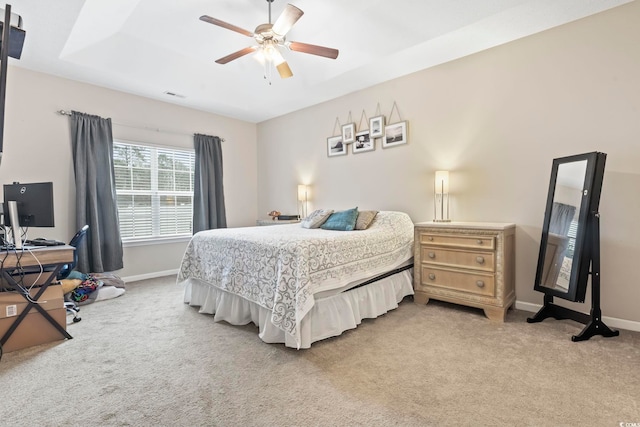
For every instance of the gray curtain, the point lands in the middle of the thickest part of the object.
(95, 194)
(561, 217)
(208, 192)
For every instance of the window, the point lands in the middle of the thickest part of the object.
(572, 234)
(154, 188)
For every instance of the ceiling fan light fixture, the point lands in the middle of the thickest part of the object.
(260, 56)
(272, 53)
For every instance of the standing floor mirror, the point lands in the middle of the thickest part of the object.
(570, 242)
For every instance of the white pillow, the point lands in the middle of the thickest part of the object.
(316, 218)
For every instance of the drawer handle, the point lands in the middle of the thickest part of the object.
(480, 283)
(432, 276)
(480, 260)
(432, 255)
(479, 241)
(430, 238)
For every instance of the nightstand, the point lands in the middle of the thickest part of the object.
(468, 263)
(276, 222)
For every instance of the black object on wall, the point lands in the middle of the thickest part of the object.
(16, 33)
(570, 243)
(10, 45)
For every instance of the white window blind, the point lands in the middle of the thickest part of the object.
(572, 234)
(154, 188)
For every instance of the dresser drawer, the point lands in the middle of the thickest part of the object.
(476, 283)
(475, 260)
(458, 241)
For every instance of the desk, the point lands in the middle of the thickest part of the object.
(51, 258)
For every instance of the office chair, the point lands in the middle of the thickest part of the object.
(70, 306)
(75, 242)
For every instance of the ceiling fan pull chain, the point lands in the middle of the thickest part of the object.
(366, 121)
(267, 70)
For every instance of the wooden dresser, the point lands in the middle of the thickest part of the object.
(469, 263)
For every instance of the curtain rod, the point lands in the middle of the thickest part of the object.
(68, 113)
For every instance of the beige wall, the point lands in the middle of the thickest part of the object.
(37, 147)
(496, 120)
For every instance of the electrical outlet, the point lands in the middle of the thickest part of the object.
(12, 310)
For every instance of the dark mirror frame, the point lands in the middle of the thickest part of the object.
(585, 241)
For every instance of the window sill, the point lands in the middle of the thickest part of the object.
(154, 241)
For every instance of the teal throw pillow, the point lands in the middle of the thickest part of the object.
(341, 221)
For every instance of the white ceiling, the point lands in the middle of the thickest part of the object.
(149, 47)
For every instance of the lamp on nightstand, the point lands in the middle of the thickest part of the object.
(303, 192)
(441, 190)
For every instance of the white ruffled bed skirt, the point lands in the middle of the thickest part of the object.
(329, 317)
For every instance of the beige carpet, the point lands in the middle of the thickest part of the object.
(146, 359)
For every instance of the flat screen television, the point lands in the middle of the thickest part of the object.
(34, 202)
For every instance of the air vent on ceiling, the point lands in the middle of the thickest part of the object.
(177, 95)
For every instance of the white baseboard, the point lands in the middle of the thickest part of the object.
(527, 306)
(612, 322)
(153, 275)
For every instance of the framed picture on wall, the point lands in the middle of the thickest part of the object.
(376, 127)
(363, 142)
(395, 134)
(348, 133)
(335, 146)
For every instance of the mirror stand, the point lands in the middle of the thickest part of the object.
(593, 321)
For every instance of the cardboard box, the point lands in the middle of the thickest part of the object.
(34, 329)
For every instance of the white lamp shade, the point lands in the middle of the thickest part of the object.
(442, 182)
(302, 193)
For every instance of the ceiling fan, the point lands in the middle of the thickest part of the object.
(270, 37)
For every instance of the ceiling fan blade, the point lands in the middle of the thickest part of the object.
(286, 20)
(313, 49)
(226, 25)
(236, 55)
(284, 70)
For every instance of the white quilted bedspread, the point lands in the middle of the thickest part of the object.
(281, 267)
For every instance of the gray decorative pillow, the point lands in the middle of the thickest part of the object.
(316, 218)
(365, 218)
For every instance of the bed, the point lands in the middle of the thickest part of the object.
(300, 285)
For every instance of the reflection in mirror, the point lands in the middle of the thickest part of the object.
(563, 226)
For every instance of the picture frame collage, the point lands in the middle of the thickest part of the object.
(391, 135)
